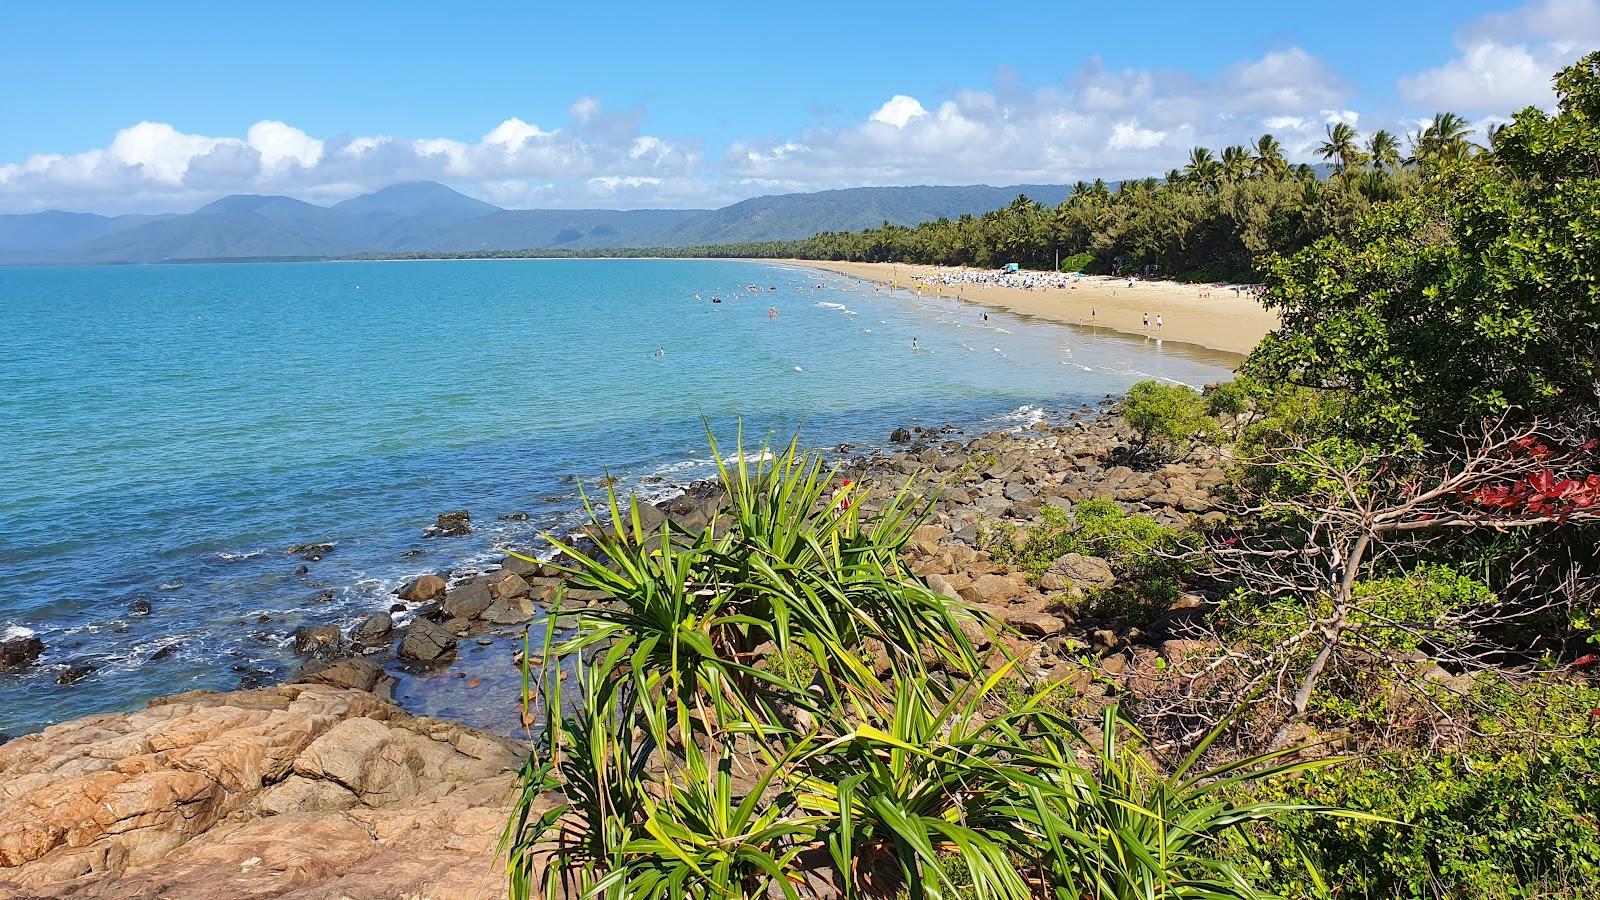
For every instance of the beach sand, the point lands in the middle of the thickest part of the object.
(1232, 323)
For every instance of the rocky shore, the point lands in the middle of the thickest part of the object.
(325, 788)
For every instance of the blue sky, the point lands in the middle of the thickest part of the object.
(684, 105)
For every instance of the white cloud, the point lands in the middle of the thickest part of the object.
(899, 110)
(1506, 61)
(1129, 136)
(153, 166)
(1098, 123)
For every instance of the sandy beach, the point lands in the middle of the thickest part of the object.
(1212, 317)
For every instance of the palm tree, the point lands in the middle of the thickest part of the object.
(1341, 145)
(1269, 161)
(1384, 150)
(1203, 168)
(1174, 176)
(1236, 163)
(1442, 140)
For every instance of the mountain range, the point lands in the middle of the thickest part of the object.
(426, 216)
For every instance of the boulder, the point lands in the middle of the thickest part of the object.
(425, 641)
(900, 436)
(1017, 491)
(76, 671)
(423, 588)
(374, 629)
(467, 600)
(139, 608)
(312, 552)
(1085, 571)
(994, 589)
(1034, 623)
(357, 672)
(508, 611)
(451, 524)
(321, 641)
(504, 585)
(21, 651)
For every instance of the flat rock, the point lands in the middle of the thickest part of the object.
(509, 611)
(302, 790)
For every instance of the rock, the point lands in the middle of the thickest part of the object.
(139, 608)
(374, 629)
(1017, 491)
(1053, 581)
(312, 552)
(1085, 571)
(451, 524)
(1034, 623)
(467, 600)
(303, 790)
(76, 672)
(1104, 639)
(423, 588)
(18, 652)
(302, 570)
(356, 672)
(425, 641)
(318, 640)
(994, 589)
(941, 585)
(504, 585)
(508, 611)
(900, 436)
(513, 517)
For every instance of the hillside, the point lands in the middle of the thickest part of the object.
(422, 217)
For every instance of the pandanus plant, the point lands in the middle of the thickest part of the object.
(671, 761)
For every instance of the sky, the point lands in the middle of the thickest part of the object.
(116, 107)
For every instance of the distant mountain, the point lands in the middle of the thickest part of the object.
(786, 217)
(424, 216)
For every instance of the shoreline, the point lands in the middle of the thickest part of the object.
(1223, 322)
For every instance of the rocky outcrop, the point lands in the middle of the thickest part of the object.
(18, 652)
(306, 790)
(423, 588)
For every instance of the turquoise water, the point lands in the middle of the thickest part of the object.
(170, 430)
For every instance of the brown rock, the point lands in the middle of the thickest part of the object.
(318, 640)
(423, 588)
(503, 584)
(304, 790)
(509, 611)
(995, 589)
(1085, 571)
(1034, 623)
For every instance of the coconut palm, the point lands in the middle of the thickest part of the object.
(1203, 168)
(1442, 140)
(1269, 161)
(1384, 150)
(1342, 147)
(1236, 163)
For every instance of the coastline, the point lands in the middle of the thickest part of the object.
(1224, 322)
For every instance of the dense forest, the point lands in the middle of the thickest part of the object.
(1214, 219)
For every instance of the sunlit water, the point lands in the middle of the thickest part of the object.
(169, 430)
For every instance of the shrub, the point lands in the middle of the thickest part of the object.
(1508, 814)
(1168, 417)
(1077, 262)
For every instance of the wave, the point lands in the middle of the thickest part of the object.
(1023, 416)
(16, 633)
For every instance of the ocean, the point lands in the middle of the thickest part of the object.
(169, 431)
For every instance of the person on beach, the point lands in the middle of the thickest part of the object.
(1159, 323)
(1146, 321)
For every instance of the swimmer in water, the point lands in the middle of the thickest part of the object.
(661, 352)
(914, 346)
